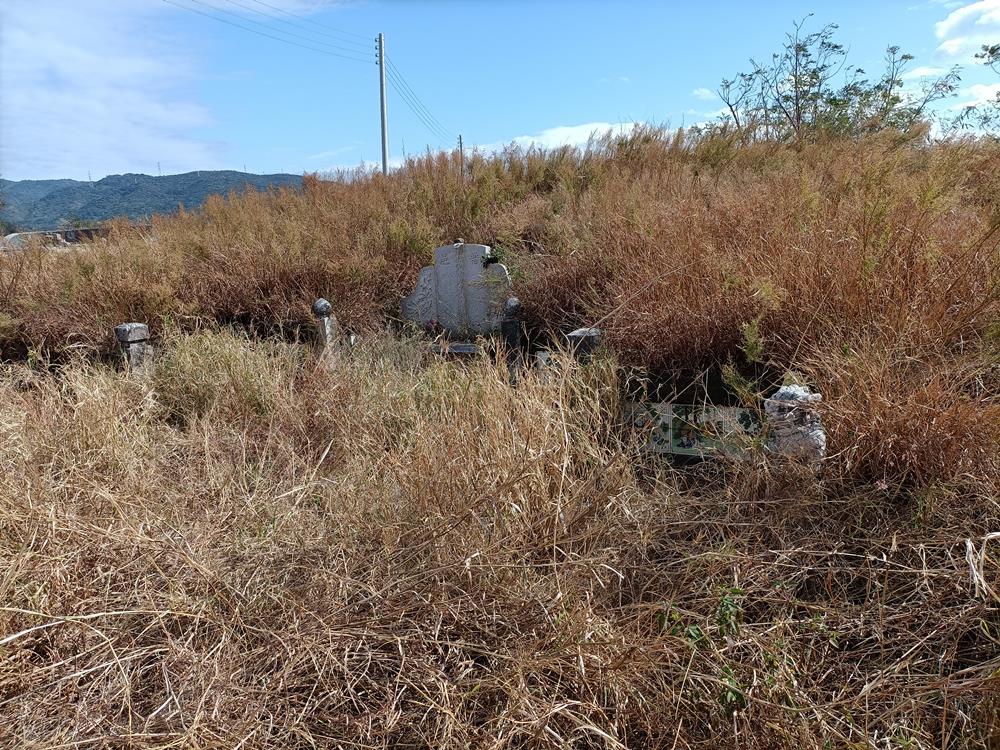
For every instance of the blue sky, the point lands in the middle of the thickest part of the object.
(109, 86)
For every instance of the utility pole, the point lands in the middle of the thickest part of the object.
(381, 91)
(461, 157)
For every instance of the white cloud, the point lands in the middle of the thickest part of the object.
(332, 152)
(966, 29)
(615, 79)
(550, 138)
(362, 166)
(95, 87)
(706, 95)
(977, 94)
(563, 135)
(943, 3)
(924, 71)
(101, 86)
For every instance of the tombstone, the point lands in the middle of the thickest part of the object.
(794, 424)
(464, 292)
(584, 341)
(133, 338)
(510, 326)
(698, 430)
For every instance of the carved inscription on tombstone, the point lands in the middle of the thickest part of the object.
(463, 292)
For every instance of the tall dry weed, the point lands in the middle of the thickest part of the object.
(395, 550)
(247, 547)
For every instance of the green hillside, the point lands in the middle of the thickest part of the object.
(51, 204)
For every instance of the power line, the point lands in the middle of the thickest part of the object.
(388, 70)
(261, 33)
(361, 47)
(394, 82)
(402, 81)
(434, 129)
(410, 96)
(273, 29)
(309, 20)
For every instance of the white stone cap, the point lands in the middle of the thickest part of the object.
(795, 393)
(128, 333)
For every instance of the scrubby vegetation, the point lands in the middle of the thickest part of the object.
(254, 547)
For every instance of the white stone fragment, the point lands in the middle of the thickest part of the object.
(795, 425)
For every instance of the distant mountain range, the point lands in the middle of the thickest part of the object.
(56, 204)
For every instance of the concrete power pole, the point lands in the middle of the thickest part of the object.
(381, 91)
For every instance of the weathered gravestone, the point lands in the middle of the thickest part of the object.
(792, 428)
(463, 293)
(583, 342)
(695, 430)
(795, 426)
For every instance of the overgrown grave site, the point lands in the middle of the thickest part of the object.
(257, 541)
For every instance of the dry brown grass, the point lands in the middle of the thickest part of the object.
(402, 552)
(677, 243)
(396, 551)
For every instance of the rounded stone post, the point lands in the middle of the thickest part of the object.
(133, 338)
(327, 328)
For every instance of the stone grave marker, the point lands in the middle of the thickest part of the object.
(795, 424)
(695, 429)
(326, 322)
(791, 427)
(584, 341)
(133, 339)
(464, 292)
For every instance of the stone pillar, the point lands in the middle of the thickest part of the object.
(510, 326)
(584, 341)
(133, 338)
(543, 359)
(327, 328)
(794, 424)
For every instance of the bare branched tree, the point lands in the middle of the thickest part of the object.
(809, 89)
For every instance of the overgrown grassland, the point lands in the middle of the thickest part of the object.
(389, 550)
